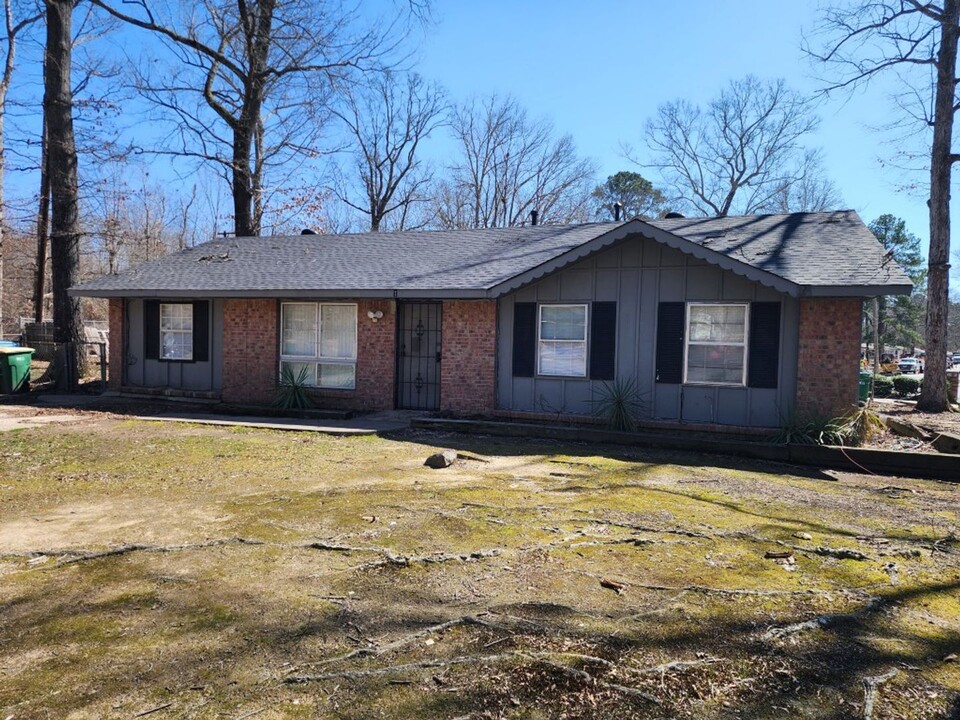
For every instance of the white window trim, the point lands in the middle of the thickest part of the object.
(189, 333)
(745, 343)
(317, 358)
(586, 336)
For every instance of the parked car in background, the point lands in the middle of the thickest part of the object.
(910, 365)
(956, 358)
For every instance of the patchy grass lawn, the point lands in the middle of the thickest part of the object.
(209, 572)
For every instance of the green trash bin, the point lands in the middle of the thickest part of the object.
(15, 369)
(866, 381)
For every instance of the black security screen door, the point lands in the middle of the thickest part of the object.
(418, 356)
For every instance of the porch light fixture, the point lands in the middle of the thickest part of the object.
(375, 315)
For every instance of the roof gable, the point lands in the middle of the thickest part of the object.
(799, 254)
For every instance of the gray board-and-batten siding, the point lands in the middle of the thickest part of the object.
(638, 274)
(141, 372)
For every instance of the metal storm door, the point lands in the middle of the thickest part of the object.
(418, 356)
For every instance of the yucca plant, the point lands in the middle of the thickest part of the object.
(292, 391)
(811, 430)
(861, 425)
(619, 402)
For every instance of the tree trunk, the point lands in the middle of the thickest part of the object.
(257, 22)
(933, 396)
(880, 307)
(43, 228)
(3, 100)
(62, 166)
(242, 177)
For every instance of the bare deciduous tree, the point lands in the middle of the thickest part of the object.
(903, 36)
(244, 75)
(14, 28)
(62, 155)
(387, 120)
(130, 224)
(510, 165)
(92, 114)
(741, 154)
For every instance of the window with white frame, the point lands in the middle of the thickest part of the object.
(562, 340)
(320, 341)
(176, 331)
(716, 347)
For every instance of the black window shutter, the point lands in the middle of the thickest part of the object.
(670, 322)
(201, 331)
(151, 329)
(603, 340)
(763, 359)
(524, 339)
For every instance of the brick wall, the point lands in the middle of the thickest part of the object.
(115, 354)
(468, 366)
(251, 356)
(828, 355)
(250, 350)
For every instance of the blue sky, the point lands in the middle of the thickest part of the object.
(599, 70)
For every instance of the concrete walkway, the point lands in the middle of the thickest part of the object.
(365, 425)
(8, 422)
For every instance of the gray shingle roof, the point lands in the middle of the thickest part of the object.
(806, 249)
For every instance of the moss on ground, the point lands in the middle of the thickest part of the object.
(541, 528)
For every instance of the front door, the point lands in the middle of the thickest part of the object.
(418, 356)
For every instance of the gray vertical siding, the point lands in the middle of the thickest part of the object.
(140, 372)
(638, 274)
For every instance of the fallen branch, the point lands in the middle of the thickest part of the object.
(413, 637)
(646, 528)
(434, 558)
(69, 556)
(543, 658)
(615, 585)
(870, 687)
(617, 541)
(680, 665)
(736, 591)
(776, 633)
(841, 553)
(158, 708)
(588, 679)
(374, 672)
(822, 621)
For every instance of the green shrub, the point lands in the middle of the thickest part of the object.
(904, 385)
(292, 392)
(882, 386)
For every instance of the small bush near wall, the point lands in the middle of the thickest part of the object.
(905, 385)
(882, 386)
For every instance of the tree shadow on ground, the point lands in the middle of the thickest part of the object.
(513, 447)
(112, 646)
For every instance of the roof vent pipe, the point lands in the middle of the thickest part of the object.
(533, 217)
(307, 231)
(617, 210)
(673, 216)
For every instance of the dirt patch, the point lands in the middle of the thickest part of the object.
(209, 572)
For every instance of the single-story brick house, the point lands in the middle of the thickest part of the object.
(728, 321)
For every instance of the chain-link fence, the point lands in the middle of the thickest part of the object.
(51, 370)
